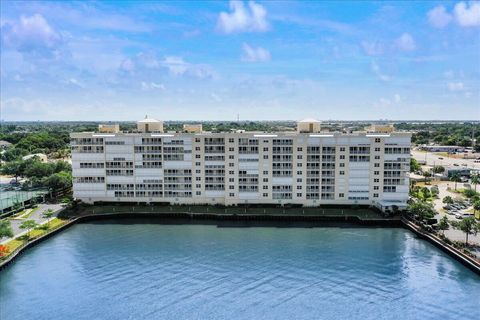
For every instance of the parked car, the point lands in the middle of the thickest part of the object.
(440, 158)
(455, 164)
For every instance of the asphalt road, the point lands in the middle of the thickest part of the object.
(441, 160)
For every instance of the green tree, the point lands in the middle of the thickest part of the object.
(438, 169)
(414, 166)
(448, 200)
(468, 226)
(443, 224)
(59, 181)
(455, 177)
(47, 215)
(426, 175)
(28, 225)
(5, 229)
(13, 168)
(421, 210)
(475, 179)
(476, 206)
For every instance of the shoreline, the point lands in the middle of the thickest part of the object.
(258, 220)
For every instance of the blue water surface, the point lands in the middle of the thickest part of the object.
(124, 270)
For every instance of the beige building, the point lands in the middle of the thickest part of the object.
(308, 126)
(109, 128)
(149, 125)
(192, 128)
(305, 168)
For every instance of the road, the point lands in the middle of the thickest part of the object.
(37, 215)
(441, 160)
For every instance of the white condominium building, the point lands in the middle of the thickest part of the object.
(307, 167)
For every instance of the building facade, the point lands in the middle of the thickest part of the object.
(309, 169)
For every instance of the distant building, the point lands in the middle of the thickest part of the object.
(192, 128)
(108, 128)
(4, 144)
(308, 168)
(308, 126)
(381, 128)
(449, 149)
(42, 157)
(149, 125)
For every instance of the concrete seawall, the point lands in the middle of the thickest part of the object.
(232, 220)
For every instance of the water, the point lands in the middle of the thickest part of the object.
(154, 271)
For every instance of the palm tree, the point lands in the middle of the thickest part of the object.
(455, 178)
(443, 224)
(468, 226)
(28, 225)
(475, 179)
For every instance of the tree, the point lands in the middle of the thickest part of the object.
(47, 215)
(5, 229)
(414, 166)
(448, 200)
(421, 210)
(475, 179)
(426, 175)
(468, 226)
(455, 178)
(476, 206)
(443, 224)
(59, 181)
(28, 225)
(13, 168)
(438, 169)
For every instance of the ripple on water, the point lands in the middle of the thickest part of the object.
(145, 271)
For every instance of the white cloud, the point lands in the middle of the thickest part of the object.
(175, 66)
(405, 42)
(455, 86)
(30, 35)
(373, 48)
(147, 86)
(378, 72)
(467, 15)
(439, 17)
(258, 54)
(243, 19)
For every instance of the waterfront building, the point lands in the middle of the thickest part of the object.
(307, 167)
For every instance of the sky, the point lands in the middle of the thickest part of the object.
(256, 60)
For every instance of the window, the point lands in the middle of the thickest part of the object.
(299, 165)
(231, 156)
(375, 195)
(377, 140)
(198, 193)
(342, 157)
(231, 187)
(197, 163)
(197, 148)
(375, 187)
(231, 172)
(376, 180)
(299, 187)
(231, 164)
(376, 173)
(198, 178)
(377, 149)
(342, 149)
(377, 165)
(231, 140)
(342, 165)
(265, 179)
(198, 171)
(265, 172)
(341, 195)
(377, 157)
(231, 149)
(265, 187)
(197, 140)
(198, 185)
(197, 156)
(299, 195)
(299, 157)
(265, 157)
(231, 180)
(265, 149)
(299, 149)
(299, 179)
(232, 194)
(265, 195)
(342, 173)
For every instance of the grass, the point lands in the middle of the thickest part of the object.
(18, 242)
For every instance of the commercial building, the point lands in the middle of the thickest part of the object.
(307, 167)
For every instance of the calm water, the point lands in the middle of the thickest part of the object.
(153, 271)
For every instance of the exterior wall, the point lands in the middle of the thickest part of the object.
(109, 128)
(308, 127)
(150, 126)
(240, 168)
(192, 128)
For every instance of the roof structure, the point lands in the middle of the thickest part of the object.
(309, 120)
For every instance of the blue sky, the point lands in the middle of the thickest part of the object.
(263, 60)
